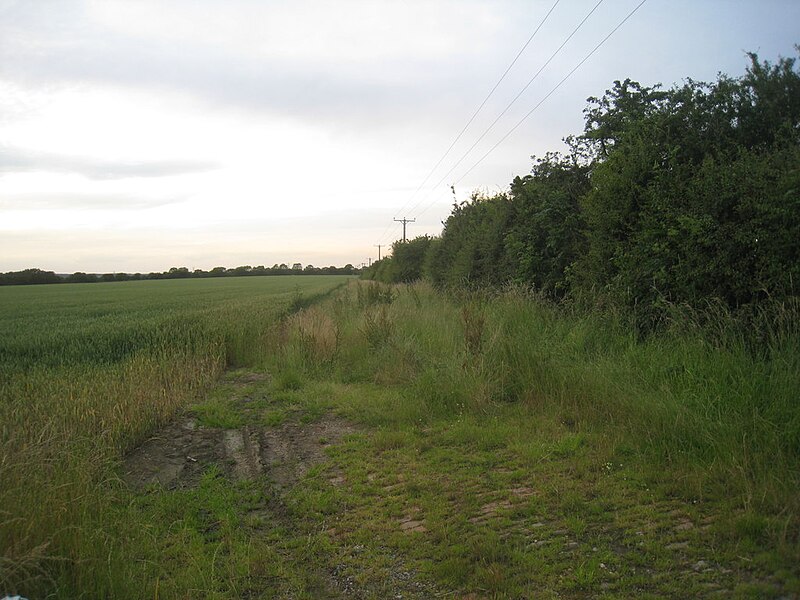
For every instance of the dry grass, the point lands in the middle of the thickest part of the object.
(316, 334)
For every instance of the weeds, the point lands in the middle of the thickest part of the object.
(370, 293)
(615, 425)
(318, 337)
(712, 409)
(377, 327)
(474, 322)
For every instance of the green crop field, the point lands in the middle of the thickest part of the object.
(85, 372)
(78, 325)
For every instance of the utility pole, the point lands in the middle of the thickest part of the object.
(370, 261)
(379, 246)
(404, 221)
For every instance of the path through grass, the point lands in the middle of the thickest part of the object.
(506, 504)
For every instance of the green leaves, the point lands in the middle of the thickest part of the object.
(692, 197)
(685, 196)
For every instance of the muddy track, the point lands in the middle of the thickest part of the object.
(178, 455)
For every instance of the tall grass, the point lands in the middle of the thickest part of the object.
(702, 399)
(697, 397)
(86, 372)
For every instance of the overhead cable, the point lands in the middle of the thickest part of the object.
(517, 97)
(550, 93)
(480, 107)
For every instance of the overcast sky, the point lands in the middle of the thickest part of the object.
(136, 136)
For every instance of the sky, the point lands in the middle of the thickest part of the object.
(140, 135)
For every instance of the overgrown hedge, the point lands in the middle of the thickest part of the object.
(686, 196)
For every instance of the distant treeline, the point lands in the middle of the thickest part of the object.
(688, 196)
(37, 276)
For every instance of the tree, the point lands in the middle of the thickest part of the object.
(81, 277)
(472, 246)
(177, 273)
(547, 231)
(697, 194)
(29, 277)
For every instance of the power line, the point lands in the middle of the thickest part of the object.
(485, 100)
(477, 110)
(513, 101)
(550, 93)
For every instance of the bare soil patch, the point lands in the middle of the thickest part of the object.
(291, 449)
(278, 456)
(178, 454)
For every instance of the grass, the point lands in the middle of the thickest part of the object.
(498, 504)
(502, 449)
(684, 421)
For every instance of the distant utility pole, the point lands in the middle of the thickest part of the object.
(404, 221)
(370, 261)
(379, 246)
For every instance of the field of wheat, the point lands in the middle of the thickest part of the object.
(86, 371)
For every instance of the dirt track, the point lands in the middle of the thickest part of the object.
(178, 454)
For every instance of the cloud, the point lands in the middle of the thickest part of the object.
(312, 61)
(15, 160)
(71, 201)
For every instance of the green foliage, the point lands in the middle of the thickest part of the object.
(696, 196)
(503, 387)
(289, 380)
(680, 197)
(86, 373)
(37, 276)
(405, 263)
(407, 259)
(216, 413)
(472, 250)
(530, 443)
(374, 293)
(28, 277)
(378, 327)
(547, 231)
